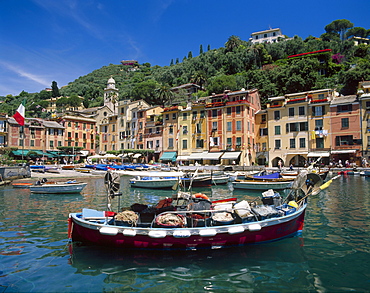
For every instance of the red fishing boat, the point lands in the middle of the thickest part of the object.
(191, 221)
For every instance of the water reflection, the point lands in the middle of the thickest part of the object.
(331, 256)
(248, 267)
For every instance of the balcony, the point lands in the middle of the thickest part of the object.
(276, 106)
(299, 100)
(318, 101)
(237, 102)
(215, 104)
(172, 108)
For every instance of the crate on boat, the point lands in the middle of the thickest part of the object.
(287, 209)
(243, 212)
(265, 212)
(198, 220)
(270, 197)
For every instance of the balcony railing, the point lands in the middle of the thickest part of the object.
(214, 105)
(237, 102)
(172, 108)
(319, 101)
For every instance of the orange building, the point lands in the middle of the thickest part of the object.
(346, 129)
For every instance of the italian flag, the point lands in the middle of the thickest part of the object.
(19, 115)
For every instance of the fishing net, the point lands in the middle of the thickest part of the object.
(170, 220)
(129, 217)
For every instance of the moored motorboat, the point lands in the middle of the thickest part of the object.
(264, 182)
(261, 185)
(191, 221)
(155, 182)
(22, 184)
(54, 187)
(196, 181)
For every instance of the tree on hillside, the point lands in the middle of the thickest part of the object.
(358, 32)
(339, 26)
(232, 43)
(62, 103)
(54, 90)
(201, 49)
(43, 95)
(219, 84)
(362, 51)
(146, 90)
(199, 77)
(74, 101)
(352, 77)
(164, 94)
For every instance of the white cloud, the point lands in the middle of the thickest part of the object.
(21, 72)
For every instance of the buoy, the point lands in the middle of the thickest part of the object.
(201, 195)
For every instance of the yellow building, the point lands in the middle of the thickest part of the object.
(299, 127)
(170, 129)
(108, 134)
(319, 138)
(184, 137)
(262, 142)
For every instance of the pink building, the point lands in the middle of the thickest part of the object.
(346, 129)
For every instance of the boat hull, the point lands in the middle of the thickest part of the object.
(220, 180)
(259, 185)
(197, 182)
(58, 188)
(154, 183)
(22, 185)
(212, 237)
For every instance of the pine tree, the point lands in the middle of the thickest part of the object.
(54, 90)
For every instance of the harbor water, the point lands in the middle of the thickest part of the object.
(331, 255)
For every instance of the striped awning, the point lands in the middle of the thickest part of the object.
(168, 156)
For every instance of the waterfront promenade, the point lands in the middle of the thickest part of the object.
(77, 174)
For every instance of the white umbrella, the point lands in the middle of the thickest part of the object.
(110, 156)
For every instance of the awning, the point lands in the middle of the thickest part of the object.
(318, 154)
(230, 155)
(40, 153)
(197, 156)
(136, 156)
(168, 156)
(213, 156)
(343, 151)
(20, 152)
(182, 158)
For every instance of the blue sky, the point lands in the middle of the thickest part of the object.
(60, 40)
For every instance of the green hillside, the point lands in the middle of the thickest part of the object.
(239, 64)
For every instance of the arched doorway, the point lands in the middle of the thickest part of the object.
(297, 161)
(275, 162)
